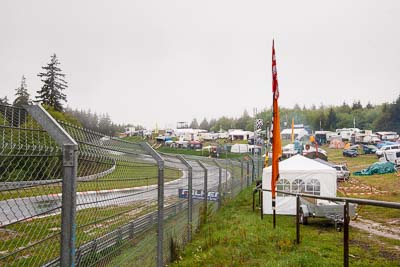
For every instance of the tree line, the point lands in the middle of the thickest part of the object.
(381, 117)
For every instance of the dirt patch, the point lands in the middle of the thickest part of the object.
(355, 187)
(376, 228)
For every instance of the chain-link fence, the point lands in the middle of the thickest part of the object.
(71, 196)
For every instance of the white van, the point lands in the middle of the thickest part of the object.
(383, 149)
(392, 156)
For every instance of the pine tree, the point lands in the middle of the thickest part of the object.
(54, 83)
(4, 101)
(22, 95)
(194, 124)
(204, 125)
(331, 120)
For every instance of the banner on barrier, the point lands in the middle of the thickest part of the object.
(198, 194)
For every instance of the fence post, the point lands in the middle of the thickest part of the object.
(297, 220)
(70, 169)
(190, 196)
(346, 219)
(253, 168)
(232, 177)
(241, 175)
(226, 175)
(248, 173)
(160, 203)
(68, 209)
(205, 189)
(219, 184)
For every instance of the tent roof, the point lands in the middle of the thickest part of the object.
(295, 131)
(301, 163)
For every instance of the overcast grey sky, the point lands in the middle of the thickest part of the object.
(148, 62)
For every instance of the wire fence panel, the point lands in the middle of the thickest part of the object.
(117, 206)
(30, 203)
(117, 184)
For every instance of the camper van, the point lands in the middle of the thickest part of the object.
(380, 152)
(346, 133)
(392, 155)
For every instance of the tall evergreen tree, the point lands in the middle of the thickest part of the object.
(369, 106)
(357, 105)
(204, 124)
(22, 95)
(331, 121)
(194, 124)
(54, 83)
(4, 101)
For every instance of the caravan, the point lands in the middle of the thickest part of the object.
(346, 133)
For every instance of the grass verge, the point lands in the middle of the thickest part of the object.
(236, 236)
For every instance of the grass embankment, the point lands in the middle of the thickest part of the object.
(236, 236)
(91, 223)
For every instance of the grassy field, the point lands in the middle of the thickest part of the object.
(388, 183)
(236, 236)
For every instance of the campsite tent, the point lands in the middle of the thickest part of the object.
(240, 148)
(298, 174)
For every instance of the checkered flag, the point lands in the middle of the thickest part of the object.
(259, 124)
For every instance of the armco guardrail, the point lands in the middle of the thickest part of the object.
(71, 196)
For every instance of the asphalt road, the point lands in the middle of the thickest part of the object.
(18, 209)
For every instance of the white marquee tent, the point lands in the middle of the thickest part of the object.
(298, 174)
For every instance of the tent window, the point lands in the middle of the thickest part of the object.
(283, 185)
(298, 186)
(313, 187)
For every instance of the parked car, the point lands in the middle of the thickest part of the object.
(369, 149)
(384, 143)
(350, 153)
(342, 173)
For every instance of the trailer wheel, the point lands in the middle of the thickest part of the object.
(338, 226)
(303, 219)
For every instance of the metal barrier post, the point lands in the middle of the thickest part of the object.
(241, 174)
(346, 219)
(205, 188)
(226, 175)
(248, 174)
(297, 219)
(219, 184)
(253, 168)
(232, 179)
(70, 169)
(190, 196)
(261, 204)
(160, 203)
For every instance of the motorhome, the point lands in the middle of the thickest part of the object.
(346, 133)
(388, 136)
(380, 152)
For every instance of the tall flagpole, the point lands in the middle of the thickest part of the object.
(276, 134)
